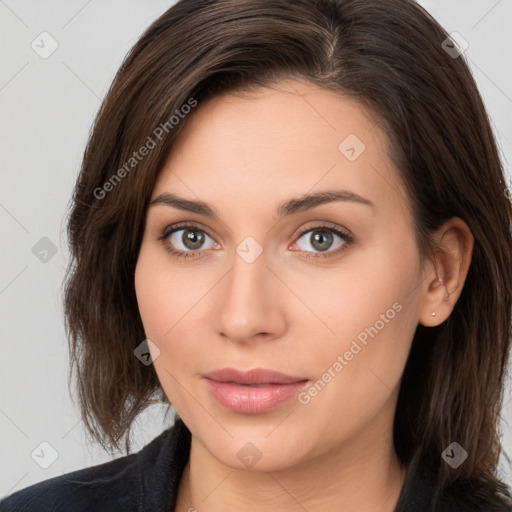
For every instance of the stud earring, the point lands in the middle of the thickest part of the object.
(433, 313)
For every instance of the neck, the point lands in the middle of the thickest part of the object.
(361, 476)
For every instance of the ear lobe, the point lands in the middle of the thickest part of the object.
(447, 274)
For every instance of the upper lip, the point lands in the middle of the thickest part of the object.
(254, 376)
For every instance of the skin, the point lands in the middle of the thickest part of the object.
(245, 154)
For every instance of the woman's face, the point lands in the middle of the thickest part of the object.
(337, 312)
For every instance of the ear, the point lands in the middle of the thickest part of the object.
(444, 278)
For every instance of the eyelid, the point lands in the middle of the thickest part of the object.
(185, 224)
(318, 225)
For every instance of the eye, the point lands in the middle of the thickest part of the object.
(321, 238)
(183, 241)
(187, 241)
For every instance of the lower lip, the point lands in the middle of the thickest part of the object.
(253, 399)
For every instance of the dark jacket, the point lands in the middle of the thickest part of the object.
(148, 481)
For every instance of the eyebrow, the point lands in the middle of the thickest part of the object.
(294, 205)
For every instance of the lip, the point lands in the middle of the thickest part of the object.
(254, 376)
(253, 392)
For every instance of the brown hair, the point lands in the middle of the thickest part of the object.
(386, 54)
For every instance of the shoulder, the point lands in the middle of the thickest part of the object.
(474, 496)
(105, 487)
(109, 484)
(422, 494)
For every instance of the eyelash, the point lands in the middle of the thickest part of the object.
(169, 230)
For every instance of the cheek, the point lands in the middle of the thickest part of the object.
(162, 294)
(371, 294)
(169, 298)
(149, 288)
(373, 313)
(161, 311)
(371, 340)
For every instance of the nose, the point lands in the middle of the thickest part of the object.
(250, 301)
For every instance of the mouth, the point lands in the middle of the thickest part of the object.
(253, 392)
(252, 377)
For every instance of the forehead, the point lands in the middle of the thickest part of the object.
(285, 139)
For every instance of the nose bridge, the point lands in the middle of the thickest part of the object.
(248, 279)
(248, 302)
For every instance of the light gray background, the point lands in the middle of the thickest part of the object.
(47, 108)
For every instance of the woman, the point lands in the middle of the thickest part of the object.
(292, 224)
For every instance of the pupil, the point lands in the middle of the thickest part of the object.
(319, 237)
(193, 239)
